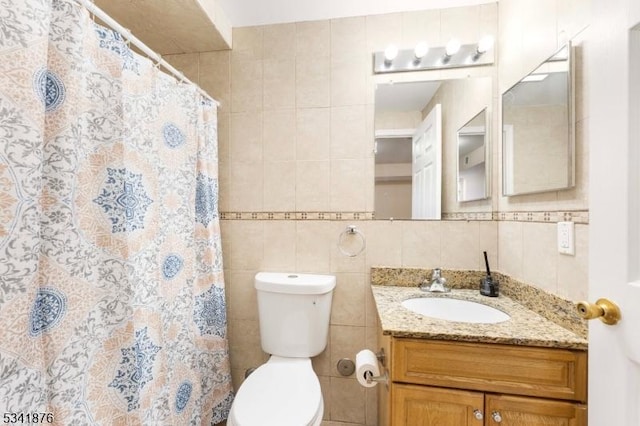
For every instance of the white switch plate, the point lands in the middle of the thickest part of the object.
(566, 238)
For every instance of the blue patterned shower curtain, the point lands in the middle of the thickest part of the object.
(112, 307)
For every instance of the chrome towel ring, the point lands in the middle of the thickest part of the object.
(351, 231)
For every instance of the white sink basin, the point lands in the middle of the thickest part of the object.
(455, 310)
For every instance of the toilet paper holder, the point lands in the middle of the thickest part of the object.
(383, 378)
(381, 357)
(346, 367)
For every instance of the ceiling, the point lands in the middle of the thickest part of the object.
(168, 26)
(243, 13)
(412, 96)
(553, 90)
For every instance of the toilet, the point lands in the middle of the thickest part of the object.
(294, 312)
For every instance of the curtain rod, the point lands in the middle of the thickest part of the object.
(103, 16)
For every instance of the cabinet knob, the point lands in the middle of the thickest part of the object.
(496, 417)
(478, 414)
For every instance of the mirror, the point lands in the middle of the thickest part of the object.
(473, 159)
(416, 144)
(537, 129)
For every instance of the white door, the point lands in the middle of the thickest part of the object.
(613, 51)
(426, 181)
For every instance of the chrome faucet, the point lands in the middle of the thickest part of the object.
(438, 283)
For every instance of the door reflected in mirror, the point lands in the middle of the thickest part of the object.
(537, 129)
(408, 173)
(473, 159)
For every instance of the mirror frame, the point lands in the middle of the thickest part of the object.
(570, 128)
(487, 157)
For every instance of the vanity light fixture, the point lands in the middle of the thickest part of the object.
(390, 53)
(424, 57)
(453, 47)
(421, 50)
(484, 44)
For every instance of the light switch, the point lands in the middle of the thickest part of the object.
(566, 238)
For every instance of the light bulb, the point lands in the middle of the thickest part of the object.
(390, 52)
(452, 47)
(485, 44)
(421, 49)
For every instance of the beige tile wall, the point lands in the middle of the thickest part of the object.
(393, 198)
(529, 33)
(540, 159)
(294, 135)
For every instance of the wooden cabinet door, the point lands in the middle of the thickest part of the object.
(427, 406)
(506, 410)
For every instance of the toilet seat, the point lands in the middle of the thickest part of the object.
(282, 392)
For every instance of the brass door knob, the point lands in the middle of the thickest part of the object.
(604, 309)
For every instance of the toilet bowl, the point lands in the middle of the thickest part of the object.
(294, 311)
(282, 392)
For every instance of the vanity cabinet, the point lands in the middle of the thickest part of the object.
(445, 383)
(518, 410)
(431, 406)
(426, 405)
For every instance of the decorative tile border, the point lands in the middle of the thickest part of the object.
(469, 216)
(550, 306)
(577, 216)
(296, 215)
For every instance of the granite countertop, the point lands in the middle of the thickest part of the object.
(525, 327)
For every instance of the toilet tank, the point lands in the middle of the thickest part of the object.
(294, 312)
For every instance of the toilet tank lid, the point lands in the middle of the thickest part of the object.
(292, 283)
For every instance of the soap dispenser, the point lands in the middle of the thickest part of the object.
(488, 286)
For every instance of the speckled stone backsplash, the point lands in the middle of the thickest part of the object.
(554, 308)
(412, 277)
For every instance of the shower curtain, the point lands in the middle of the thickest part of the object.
(112, 306)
